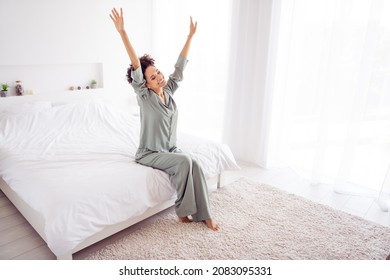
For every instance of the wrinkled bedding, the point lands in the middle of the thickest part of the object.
(74, 164)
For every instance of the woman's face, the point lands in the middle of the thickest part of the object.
(154, 78)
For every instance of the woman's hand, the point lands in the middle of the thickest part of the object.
(192, 27)
(186, 48)
(118, 20)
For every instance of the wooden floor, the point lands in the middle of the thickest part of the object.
(18, 240)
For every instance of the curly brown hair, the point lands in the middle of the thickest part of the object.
(146, 60)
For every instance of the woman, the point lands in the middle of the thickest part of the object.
(158, 111)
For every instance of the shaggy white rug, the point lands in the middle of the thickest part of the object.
(257, 222)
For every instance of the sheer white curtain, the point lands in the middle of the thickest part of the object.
(313, 92)
(331, 97)
(247, 116)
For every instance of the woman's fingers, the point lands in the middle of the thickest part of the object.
(116, 17)
(192, 26)
(115, 14)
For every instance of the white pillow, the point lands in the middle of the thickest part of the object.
(24, 108)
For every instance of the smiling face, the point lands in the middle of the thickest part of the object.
(154, 78)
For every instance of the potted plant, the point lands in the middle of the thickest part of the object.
(4, 90)
(93, 84)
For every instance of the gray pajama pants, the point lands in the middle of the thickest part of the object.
(188, 179)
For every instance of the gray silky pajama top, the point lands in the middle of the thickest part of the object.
(158, 120)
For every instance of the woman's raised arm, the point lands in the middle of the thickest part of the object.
(186, 47)
(120, 27)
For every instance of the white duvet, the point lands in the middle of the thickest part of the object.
(74, 164)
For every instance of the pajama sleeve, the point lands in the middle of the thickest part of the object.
(138, 82)
(177, 75)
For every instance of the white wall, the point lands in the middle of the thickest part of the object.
(53, 44)
(45, 35)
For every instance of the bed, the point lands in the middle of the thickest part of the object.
(69, 168)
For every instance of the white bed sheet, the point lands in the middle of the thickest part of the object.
(74, 164)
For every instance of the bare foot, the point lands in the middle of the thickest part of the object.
(212, 225)
(185, 219)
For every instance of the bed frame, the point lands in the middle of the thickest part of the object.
(37, 222)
